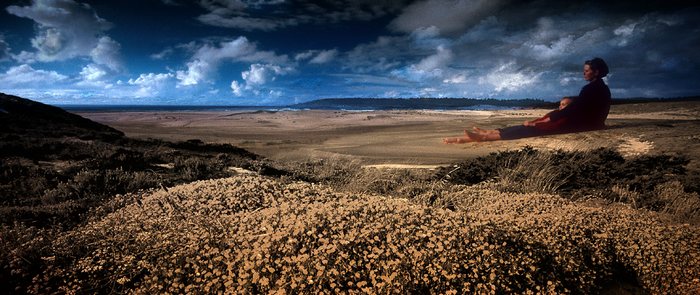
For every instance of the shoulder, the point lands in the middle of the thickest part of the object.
(599, 83)
(595, 86)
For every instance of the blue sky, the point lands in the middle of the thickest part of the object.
(276, 52)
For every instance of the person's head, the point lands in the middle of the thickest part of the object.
(564, 102)
(595, 68)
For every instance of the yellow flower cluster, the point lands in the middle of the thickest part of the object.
(251, 234)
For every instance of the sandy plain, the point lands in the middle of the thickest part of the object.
(413, 138)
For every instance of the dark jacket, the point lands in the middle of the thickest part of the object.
(589, 110)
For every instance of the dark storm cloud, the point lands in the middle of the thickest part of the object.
(278, 14)
(448, 16)
(538, 47)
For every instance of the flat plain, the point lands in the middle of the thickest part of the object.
(411, 137)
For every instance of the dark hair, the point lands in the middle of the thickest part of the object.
(598, 64)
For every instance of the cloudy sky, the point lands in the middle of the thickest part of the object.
(273, 52)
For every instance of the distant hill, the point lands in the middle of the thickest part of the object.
(654, 99)
(420, 103)
(453, 103)
(28, 118)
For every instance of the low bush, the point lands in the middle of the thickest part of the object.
(250, 234)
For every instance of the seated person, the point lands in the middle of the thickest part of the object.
(543, 123)
(588, 111)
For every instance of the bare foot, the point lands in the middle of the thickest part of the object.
(477, 136)
(450, 140)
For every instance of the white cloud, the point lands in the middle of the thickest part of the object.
(305, 55)
(625, 32)
(26, 75)
(107, 53)
(508, 77)
(430, 67)
(324, 56)
(4, 50)
(317, 56)
(94, 76)
(208, 57)
(440, 59)
(65, 30)
(456, 79)
(236, 88)
(197, 71)
(257, 77)
(260, 74)
(449, 16)
(163, 54)
(275, 93)
(428, 39)
(92, 72)
(151, 84)
(423, 33)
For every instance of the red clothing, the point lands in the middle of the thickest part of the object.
(549, 126)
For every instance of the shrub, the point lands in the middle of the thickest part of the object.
(249, 234)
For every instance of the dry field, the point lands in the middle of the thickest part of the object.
(410, 137)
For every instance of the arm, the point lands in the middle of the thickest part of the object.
(543, 119)
(575, 107)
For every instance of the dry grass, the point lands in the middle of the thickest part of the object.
(250, 234)
(681, 206)
(534, 173)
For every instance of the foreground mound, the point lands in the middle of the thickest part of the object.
(251, 234)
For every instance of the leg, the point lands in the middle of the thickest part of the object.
(464, 139)
(483, 135)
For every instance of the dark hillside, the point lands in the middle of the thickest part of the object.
(55, 165)
(27, 118)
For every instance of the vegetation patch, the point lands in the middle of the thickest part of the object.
(252, 234)
(602, 173)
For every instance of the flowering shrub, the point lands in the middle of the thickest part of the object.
(251, 234)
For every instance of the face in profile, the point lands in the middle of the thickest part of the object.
(589, 74)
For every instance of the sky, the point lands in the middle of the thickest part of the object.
(278, 52)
